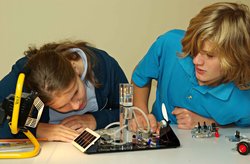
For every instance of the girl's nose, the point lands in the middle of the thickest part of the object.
(75, 104)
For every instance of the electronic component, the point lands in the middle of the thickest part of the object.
(243, 147)
(109, 140)
(108, 143)
(205, 131)
(30, 111)
(85, 139)
(236, 137)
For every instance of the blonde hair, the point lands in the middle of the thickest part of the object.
(227, 26)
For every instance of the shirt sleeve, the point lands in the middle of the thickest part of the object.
(158, 56)
(8, 83)
(243, 122)
(148, 68)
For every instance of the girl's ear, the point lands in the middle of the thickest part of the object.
(76, 68)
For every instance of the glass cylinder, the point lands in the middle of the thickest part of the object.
(126, 112)
(126, 94)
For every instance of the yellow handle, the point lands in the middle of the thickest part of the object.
(17, 101)
(14, 125)
(28, 154)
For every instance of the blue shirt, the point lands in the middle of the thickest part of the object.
(177, 85)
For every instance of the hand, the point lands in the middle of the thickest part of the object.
(80, 122)
(142, 122)
(187, 119)
(55, 132)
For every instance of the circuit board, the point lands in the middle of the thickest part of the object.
(108, 144)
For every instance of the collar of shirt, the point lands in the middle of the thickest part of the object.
(222, 91)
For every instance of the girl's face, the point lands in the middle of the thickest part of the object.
(207, 65)
(72, 98)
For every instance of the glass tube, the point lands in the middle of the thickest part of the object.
(126, 113)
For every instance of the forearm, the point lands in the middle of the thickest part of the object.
(141, 96)
(187, 119)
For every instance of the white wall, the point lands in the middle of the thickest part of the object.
(124, 28)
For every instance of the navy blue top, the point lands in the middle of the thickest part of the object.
(108, 73)
(177, 85)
